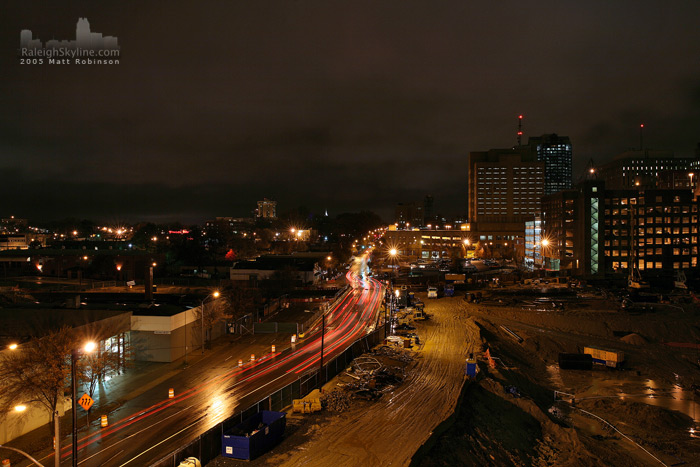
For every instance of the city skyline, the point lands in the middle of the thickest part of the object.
(84, 39)
(363, 107)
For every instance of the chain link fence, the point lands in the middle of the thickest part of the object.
(207, 446)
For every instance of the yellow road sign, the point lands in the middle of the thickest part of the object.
(86, 402)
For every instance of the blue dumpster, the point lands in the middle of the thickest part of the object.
(471, 368)
(254, 436)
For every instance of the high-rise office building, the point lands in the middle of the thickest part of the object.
(644, 169)
(555, 152)
(505, 185)
(592, 230)
(505, 188)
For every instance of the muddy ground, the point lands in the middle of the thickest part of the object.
(643, 414)
(647, 412)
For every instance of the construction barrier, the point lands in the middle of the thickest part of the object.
(103, 422)
(207, 446)
(171, 393)
(309, 404)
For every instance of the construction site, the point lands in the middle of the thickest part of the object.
(410, 401)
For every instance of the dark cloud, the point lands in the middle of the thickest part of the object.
(346, 105)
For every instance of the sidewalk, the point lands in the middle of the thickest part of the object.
(138, 379)
(132, 383)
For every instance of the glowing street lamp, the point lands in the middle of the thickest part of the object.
(214, 295)
(74, 356)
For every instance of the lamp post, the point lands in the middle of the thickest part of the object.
(214, 295)
(544, 243)
(74, 356)
(393, 253)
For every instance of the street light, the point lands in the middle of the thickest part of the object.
(74, 356)
(545, 244)
(214, 295)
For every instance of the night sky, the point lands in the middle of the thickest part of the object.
(346, 105)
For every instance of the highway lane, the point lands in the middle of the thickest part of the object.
(206, 396)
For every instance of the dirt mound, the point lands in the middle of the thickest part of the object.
(633, 339)
(639, 414)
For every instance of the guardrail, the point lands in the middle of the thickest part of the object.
(207, 446)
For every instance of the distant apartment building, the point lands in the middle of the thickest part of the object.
(22, 241)
(267, 209)
(222, 226)
(555, 151)
(14, 242)
(409, 215)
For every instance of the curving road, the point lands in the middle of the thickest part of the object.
(206, 395)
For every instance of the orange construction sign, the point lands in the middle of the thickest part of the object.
(86, 402)
(487, 355)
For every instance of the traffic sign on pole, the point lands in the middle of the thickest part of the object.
(86, 402)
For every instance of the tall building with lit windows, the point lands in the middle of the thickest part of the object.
(505, 185)
(593, 230)
(555, 152)
(651, 229)
(573, 224)
(505, 189)
(643, 169)
(267, 209)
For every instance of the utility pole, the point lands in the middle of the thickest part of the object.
(73, 361)
(57, 437)
(323, 335)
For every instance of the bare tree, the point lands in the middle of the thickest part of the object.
(96, 366)
(38, 373)
(210, 312)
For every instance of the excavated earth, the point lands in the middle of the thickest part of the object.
(643, 414)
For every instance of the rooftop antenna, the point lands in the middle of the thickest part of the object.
(590, 173)
(641, 137)
(520, 129)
